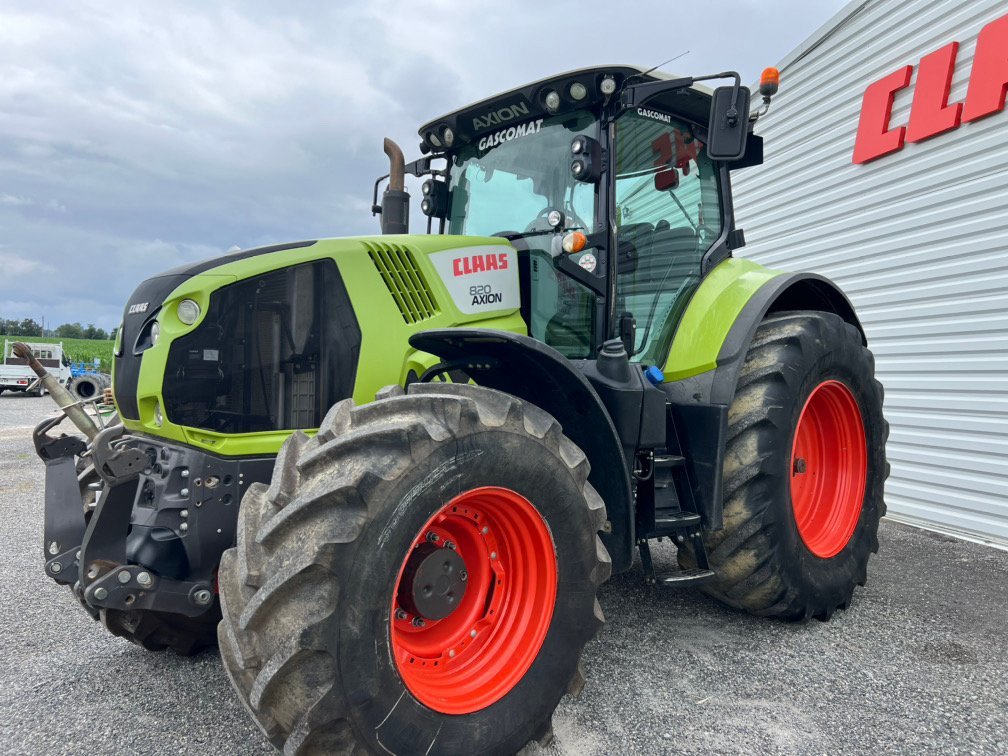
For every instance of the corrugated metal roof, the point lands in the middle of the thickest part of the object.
(917, 239)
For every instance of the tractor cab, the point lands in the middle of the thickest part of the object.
(606, 182)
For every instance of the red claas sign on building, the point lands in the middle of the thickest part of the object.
(931, 113)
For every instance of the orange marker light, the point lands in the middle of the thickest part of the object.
(769, 82)
(573, 242)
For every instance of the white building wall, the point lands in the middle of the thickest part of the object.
(917, 239)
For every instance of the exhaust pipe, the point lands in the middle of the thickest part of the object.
(395, 200)
(60, 395)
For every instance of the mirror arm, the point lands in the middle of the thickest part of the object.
(636, 95)
(375, 207)
(732, 114)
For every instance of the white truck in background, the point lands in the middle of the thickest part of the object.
(15, 375)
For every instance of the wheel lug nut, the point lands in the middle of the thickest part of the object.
(485, 530)
(418, 622)
(800, 466)
(493, 554)
(450, 545)
(433, 537)
(400, 614)
(472, 633)
(463, 576)
(452, 653)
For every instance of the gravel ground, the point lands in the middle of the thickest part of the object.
(918, 664)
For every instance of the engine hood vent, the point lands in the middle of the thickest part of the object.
(397, 266)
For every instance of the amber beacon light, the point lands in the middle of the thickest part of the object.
(769, 82)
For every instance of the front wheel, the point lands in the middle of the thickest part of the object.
(420, 577)
(804, 471)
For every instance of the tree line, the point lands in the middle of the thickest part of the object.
(29, 327)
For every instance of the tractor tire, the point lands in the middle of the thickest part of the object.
(157, 631)
(87, 387)
(804, 472)
(327, 635)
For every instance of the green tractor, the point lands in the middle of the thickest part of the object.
(388, 474)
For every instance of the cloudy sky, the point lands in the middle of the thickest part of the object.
(138, 135)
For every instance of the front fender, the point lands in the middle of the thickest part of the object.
(538, 374)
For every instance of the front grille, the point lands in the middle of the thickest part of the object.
(401, 274)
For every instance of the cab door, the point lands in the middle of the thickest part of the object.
(668, 215)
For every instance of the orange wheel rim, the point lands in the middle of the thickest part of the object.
(829, 468)
(473, 600)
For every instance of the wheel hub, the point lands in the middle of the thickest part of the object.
(433, 582)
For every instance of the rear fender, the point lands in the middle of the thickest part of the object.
(724, 312)
(538, 374)
(788, 291)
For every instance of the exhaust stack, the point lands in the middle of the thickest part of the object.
(395, 200)
(60, 395)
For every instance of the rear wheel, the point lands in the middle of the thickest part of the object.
(804, 471)
(419, 578)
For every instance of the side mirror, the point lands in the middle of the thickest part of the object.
(729, 123)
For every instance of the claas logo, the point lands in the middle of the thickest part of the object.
(931, 113)
(464, 266)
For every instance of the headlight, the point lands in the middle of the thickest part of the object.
(188, 311)
(158, 417)
(155, 331)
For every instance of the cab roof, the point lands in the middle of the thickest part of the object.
(528, 102)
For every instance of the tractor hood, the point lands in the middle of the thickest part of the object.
(142, 310)
(234, 353)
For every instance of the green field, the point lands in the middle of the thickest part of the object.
(85, 350)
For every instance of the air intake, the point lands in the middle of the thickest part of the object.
(398, 269)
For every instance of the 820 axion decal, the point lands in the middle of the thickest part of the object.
(479, 279)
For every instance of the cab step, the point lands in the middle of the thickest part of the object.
(677, 578)
(667, 523)
(685, 578)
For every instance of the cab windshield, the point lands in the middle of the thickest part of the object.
(508, 183)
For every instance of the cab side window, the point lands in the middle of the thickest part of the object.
(668, 216)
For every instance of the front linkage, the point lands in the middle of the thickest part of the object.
(153, 539)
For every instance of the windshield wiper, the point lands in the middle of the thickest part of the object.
(513, 235)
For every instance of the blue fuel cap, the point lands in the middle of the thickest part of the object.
(655, 375)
